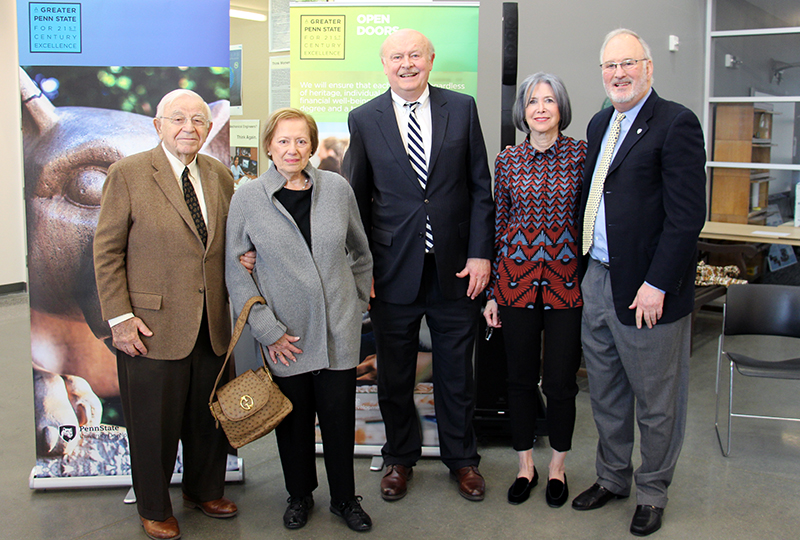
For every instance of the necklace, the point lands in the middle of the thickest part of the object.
(303, 187)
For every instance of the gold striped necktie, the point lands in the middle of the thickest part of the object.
(596, 191)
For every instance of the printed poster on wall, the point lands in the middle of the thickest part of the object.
(91, 75)
(244, 151)
(335, 67)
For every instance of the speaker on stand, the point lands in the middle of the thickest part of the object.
(508, 133)
(491, 372)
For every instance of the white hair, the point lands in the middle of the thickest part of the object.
(167, 100)
(620, 31)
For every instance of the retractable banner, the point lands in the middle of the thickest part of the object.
(91, 75)
(335, 67)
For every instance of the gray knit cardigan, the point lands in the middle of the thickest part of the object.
(319, 297)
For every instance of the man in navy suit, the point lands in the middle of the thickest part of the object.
(643, 206)
(431, 227)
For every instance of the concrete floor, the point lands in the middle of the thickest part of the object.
(755, 493)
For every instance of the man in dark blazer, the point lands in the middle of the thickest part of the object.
(160, 267)
(643, 206)
(431, 228)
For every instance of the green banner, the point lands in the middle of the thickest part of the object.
(335, 51)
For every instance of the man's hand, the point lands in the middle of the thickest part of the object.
(248, 260)
(125, 336)
(478, 271)
(649, 303)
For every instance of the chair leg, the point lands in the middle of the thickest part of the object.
(730, 411)
(716, 408)
(725, 450)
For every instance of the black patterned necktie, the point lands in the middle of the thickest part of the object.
(416, 155)
(194, 205)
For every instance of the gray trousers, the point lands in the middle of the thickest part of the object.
(634, 371)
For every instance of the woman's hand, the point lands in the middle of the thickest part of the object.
(282, 350)
(491, 315)
(248, 260)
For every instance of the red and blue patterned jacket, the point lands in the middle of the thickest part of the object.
(536, 235)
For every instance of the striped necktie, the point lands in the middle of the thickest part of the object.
(596, 191)
(190, 196)
(416, 155)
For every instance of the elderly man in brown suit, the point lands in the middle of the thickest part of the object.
(160, 267)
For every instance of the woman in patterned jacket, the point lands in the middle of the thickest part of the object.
(534, 284)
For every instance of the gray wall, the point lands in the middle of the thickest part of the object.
(559, 37)
(565, 38)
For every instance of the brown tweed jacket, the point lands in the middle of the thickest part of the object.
(149, 258)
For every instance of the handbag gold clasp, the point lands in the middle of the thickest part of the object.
(246, 402)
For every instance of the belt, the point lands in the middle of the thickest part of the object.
(601, 263)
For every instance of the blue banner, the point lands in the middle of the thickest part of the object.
(124, 33)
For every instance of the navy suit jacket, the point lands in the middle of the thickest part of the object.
(655, 201)
(393, 205)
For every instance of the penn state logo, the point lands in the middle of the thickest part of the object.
(67, 432)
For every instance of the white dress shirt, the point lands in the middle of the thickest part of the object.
(402, 112)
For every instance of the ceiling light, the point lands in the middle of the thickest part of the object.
(249, 15)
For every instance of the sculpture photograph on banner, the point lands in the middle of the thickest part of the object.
(77, 121)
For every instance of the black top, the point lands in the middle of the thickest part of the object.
(298, 204)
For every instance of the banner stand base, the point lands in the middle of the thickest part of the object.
(374, 450)
(79, 482)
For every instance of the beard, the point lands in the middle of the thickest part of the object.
(637, 89)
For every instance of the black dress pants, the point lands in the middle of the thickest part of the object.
(330, 395)
(522, 332)
(164, 401)
(452, 324)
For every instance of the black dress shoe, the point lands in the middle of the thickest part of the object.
(557, 492)
(520, 490)
(594, 497)
(296, 515)
(353, 514)
(646, 520)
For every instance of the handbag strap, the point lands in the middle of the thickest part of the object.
(237, 333)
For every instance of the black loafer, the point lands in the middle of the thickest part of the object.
(520, 490)
(557, 492)
(646, 520)
(353, 514)
(594, 497)
(296, 515)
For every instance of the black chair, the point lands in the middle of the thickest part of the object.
(754, 309)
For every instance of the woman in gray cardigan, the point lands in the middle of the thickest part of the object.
(314, 268)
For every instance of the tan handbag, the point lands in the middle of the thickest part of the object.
(251, 405)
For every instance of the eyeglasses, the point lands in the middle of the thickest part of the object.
(180, 120)
(626, 65)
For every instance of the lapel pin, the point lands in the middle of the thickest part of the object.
(638, 131)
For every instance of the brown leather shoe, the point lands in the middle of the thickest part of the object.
(471, 485)
(219, 508)
(394, 484)
(161, 530)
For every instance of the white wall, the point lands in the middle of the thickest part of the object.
(12, 228)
